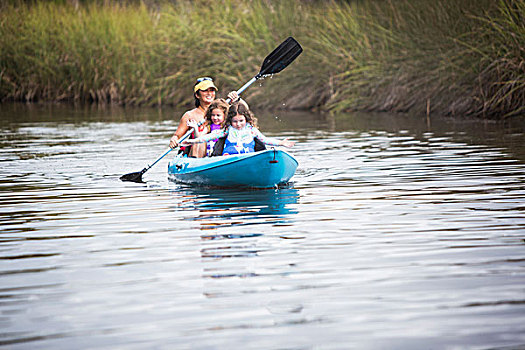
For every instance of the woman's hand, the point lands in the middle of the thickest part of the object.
(174, 141)
(233, 96)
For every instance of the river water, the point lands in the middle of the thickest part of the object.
(396, 232)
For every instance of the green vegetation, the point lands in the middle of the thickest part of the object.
(464, 58)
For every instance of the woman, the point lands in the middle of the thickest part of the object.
(204, 93)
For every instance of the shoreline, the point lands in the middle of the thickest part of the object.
(425, 59)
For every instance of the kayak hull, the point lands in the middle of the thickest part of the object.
(265, 169)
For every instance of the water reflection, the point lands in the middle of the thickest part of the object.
(220, 208)
(392, 224)
(224, 217)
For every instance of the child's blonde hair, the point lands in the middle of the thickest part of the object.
(217, 104)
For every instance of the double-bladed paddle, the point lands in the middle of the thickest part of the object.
(275, 62)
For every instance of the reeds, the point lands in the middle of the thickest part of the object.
(500, 57)
(447, 57)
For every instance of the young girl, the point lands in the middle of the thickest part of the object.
(240, 130)
(214, 120)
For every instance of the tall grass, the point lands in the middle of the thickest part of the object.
(500, 60)
(447, 57)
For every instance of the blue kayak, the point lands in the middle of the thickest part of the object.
(264, 169)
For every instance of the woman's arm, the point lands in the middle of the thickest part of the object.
(181, 130)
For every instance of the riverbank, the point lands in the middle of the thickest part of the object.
(438, 58)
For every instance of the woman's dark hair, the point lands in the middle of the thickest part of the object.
(240, 108)
(197, 102)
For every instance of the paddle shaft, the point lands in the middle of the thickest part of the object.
(244, 87)
(137, 176)
(276, 61)
(155, 162)
(184, 137)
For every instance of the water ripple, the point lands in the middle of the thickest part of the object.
(390, 224)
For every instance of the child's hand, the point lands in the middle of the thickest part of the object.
(190, 142)
(187, 142)
(287, 143)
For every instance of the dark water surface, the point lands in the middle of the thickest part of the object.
(395, 234)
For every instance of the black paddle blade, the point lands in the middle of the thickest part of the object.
(281, 57)
(133, 177)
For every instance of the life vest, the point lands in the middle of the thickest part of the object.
(218, 148)
(238, 147)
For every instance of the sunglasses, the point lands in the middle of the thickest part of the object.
(203, 79)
